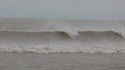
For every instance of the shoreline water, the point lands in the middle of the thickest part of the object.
(62, 61)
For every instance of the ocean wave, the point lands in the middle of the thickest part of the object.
(57, 42)
(62, 36)
(71, 28)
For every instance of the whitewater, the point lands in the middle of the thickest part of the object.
(57, 36)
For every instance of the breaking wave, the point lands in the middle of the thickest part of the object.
(43, 36)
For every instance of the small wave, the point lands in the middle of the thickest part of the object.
(62, 36)
(57, 42)
(71, 28)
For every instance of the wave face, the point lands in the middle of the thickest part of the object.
(47, 36)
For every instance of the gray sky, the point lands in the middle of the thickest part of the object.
(64, 9)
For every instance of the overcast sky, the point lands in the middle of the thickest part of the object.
(64, 9)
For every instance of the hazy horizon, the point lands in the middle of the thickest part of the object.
(63, 9)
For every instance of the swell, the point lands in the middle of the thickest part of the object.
(72, 33)
(44, 36)
(58, 42)
(69, 27)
